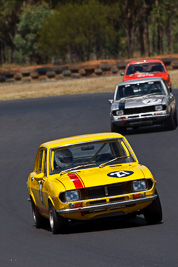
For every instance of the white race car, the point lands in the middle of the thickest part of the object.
(143, 102)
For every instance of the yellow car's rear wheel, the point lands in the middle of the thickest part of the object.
(38, 219)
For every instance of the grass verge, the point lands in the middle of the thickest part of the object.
(64, 87)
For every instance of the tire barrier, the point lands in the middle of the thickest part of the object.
(34, 75)
(72, 71)
(168, 60)
(43, 70)
(26, 72)
(174, 64)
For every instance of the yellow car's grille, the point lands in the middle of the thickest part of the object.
(106, 191)
(110, 190)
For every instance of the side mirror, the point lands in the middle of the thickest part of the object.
(39, 176)
(122, 73)
(170, 88)
(111, 101)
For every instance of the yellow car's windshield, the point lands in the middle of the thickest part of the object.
(90, 154)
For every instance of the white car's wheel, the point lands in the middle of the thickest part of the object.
(117, 129)
(114, 128)
(171, 122)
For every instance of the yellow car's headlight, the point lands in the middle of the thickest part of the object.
(71, 196)
(139, 185)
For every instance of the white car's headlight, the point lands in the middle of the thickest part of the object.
(158, 107)
(114, 106)
(71, 196)
(119, 112)
(139, 185)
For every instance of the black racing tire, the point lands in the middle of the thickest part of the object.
(117, 129)
(174, 64)
(131, 216)
(121, 130)
(114, 128)
(57, 223)
(175, 118)
(153, 213)
(43, 70)
(135, 128)
(38, 219)
(171, 122)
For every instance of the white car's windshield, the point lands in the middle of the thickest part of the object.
(139, 89)
(88, 155)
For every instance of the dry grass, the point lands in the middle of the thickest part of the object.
(62, 87)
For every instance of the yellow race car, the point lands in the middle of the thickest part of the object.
(88, 177)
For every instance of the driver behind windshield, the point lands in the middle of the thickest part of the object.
(124, 92)
(63, 159)
(139, 89)
(129, 91)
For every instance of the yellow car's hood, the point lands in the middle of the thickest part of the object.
(101, 176)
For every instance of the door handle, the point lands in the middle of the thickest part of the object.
(40, 182)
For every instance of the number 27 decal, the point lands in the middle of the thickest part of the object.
(151, 100)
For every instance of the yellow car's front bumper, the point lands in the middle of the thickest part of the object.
(110, 206)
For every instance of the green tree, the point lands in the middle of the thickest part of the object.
(9, 17)
(163, 26)
(116, 44)
(78, 30)
(169, 19)
(134, 20)
(26, 40)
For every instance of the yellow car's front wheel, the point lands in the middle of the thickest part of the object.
(58, 224)
(153, 213)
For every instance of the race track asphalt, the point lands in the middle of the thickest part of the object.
(25, 124)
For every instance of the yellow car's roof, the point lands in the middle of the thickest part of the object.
(80, 139)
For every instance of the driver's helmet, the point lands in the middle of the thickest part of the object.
(158, 85)
(129, 91)
(63, 158)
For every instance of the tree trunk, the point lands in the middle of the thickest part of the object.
(159, 30)
(0, 53)
(168, 35)
(146, 31)
(130, 33)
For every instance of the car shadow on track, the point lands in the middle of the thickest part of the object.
(105, 225)
(145, 130)
(115, 223)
